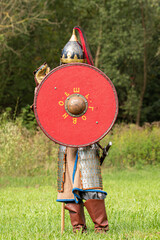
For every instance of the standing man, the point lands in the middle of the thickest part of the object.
(79, 172)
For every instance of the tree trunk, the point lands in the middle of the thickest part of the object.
(98, 47)
(144, 67)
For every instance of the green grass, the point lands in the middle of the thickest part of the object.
(28, 208)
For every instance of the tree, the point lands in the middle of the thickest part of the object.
(124, 42)
(18, 18)
(21, 28)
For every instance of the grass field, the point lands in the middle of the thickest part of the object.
(28, 208)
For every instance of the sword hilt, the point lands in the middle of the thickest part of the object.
(105, 151)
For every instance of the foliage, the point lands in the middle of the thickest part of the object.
(27, 151)
(24, 24)
(29, 210)
(133, 145)
(28, 118)
(24, 152)
(18, 18)
(120, 37)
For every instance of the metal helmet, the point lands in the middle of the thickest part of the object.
(74, 52)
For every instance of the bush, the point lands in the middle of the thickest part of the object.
(133, 145)
(30, 152)
(24, 152)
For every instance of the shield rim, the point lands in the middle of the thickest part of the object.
(69, 65)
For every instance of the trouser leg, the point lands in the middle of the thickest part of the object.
(97, 212)
(76, 212)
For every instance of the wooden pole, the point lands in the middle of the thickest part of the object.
(62, 217)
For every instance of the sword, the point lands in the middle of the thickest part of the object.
(105, 151)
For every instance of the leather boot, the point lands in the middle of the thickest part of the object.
(97, 212)
(76, 212)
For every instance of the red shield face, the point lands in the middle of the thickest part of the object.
(76, 105)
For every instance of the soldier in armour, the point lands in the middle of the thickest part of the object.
(79, 171)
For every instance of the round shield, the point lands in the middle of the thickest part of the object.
(76, 105)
